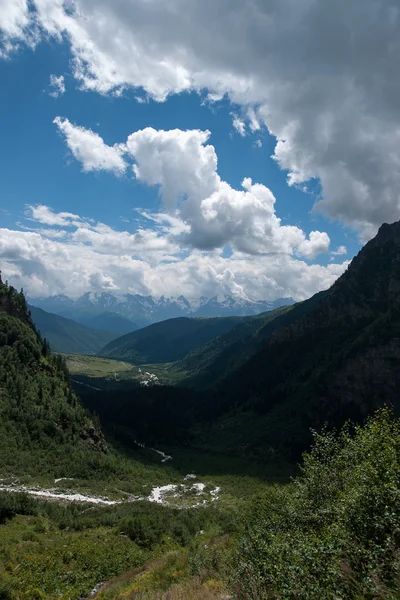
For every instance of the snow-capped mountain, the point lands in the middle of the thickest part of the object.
(144, 310)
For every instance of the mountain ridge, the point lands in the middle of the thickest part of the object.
(331, 358)
(169, 340)
(338, 361)
(41, 418)
(146, 310)
(68, 336)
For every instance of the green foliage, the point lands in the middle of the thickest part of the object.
(335, 532)
(63, 551)
(225, 353)
(66, 335)
(169, 340)
(37, 405)
(43, 426)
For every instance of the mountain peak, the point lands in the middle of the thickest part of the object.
(145, 310)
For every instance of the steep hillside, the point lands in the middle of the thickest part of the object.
(225, 353)
(68, 336)
(167, 341)
(331, 358)
(110, 321)
(339, 361)
(39, 414)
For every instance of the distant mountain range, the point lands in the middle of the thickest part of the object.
(140, 311)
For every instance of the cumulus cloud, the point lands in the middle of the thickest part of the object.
(317, 243)
(341, 251)
(322, 76)
(178, 161)
(97, 257)
(184, 167)
(57, 86)
(89, 148)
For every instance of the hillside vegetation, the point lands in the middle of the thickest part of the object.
(66, 335)
(259, 387)
(225, 353)
(339, 360)
(38, 411)
(332, 533)
(45, 432)
(110, 321)
(335, 532)
(167, 341)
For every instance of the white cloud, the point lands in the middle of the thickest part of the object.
(178, 161)
(212, 213)
(43, 214)
(321, 76)
(96, 257)
(341, 251)
(89, 148)
(57, 86)
(239, 125)
(14, 18)
(254, 122)
(317, 243)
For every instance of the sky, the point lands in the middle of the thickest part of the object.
(195, 147)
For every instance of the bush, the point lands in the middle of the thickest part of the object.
(13, 504)
(335, 532)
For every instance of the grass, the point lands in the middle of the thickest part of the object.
(93, 366)
(109, 373)
(38, 560)
(62, 551)
(199, 572)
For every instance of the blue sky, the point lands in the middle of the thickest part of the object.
(201, 230)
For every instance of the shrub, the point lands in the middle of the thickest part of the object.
(335, 532)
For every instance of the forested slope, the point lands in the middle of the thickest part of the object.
(168, 341)
(39, 413)
(340, 360)
(68, 336)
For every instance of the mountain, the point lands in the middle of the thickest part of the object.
(228, 306)
(65, 335)
(209, 363)
(269, 380)
(339, 360)
(41, 420)
(110, 321)
(167, 341)
(145, 310)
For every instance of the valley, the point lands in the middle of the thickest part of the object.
(207, 458)
(106, 373)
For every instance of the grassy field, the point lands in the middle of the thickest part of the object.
(140, 552)
(105, 372)
(93, 366)
(142, 549)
